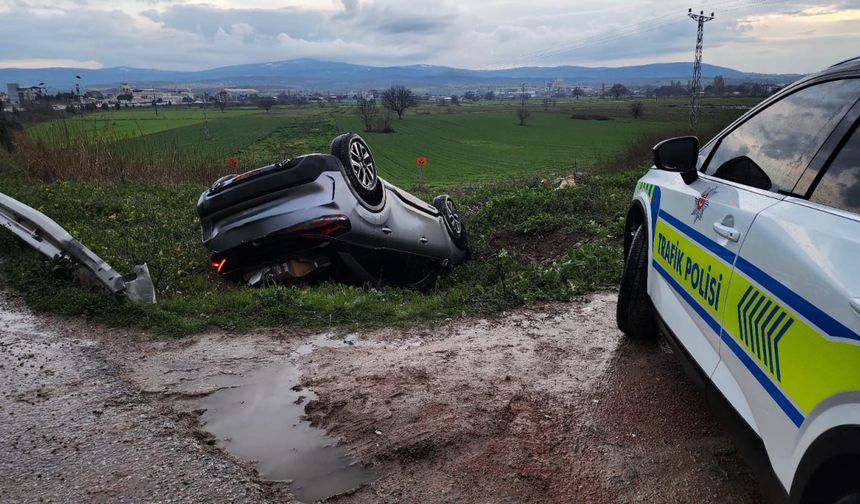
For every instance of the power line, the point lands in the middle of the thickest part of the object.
(700, 19)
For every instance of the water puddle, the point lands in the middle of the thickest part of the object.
(261, 420)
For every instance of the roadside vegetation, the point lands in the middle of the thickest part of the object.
(532, 241)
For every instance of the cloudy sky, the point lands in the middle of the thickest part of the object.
(772, 36)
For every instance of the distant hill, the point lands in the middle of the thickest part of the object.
(336, 76)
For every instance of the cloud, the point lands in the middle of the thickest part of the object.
(50, 63)
(187, 34)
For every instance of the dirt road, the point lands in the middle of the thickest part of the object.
(537, 405)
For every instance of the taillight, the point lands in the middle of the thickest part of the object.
(218, 264)
(247, 175)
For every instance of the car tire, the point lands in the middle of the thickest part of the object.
(633, 312)
(359, 169)
(455, 227)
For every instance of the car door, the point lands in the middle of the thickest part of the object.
(700, 228)
(792, 325)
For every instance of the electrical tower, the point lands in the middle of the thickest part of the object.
(701, 19)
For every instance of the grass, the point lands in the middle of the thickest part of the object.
(479, 143)
(131, 123)
(486, 146)
(131, 223)
(141, 208)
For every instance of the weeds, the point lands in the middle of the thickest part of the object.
(132, 223)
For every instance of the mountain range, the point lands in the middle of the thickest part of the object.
(337, 76)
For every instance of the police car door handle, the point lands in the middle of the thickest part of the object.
(727, 231)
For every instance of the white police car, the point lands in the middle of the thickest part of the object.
(746, 255)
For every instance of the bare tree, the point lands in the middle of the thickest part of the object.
(577, 92)
(266, 103)
(617, 90)
(719, 85)
(637, 109)
(523, 113)
(367, 111)
(397, 99)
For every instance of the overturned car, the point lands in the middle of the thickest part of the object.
(328, 216)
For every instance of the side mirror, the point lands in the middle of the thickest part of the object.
(678, 155)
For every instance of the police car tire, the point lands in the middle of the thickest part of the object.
(633, 312)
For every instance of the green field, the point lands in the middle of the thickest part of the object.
(465, 144)
(131, 211)
(130, 123)
(480, 146)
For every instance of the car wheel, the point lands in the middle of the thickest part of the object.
(633, 314)
(453, 224)
(359, 168)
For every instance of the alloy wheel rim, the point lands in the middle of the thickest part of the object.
(361, 163)
(453, 217)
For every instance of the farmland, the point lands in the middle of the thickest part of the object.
(465, 144)
(531, 242)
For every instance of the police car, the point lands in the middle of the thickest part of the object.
(746, 255)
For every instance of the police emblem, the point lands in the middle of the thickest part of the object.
(702, 203)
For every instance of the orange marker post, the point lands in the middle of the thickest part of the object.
(421, 162)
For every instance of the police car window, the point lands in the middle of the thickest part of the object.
(771, 149)
(840, 184)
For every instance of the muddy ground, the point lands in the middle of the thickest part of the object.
(537, 405)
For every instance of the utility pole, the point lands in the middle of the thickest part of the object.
(700, 19)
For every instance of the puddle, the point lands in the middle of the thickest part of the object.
(261, 420)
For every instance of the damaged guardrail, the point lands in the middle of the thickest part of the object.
(43, 234)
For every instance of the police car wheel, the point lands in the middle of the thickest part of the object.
(633, 315)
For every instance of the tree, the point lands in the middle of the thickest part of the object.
(577, 92)
(221, 105)
(719, 85)
(490, 95)
(523, 115)
(637, 109)
(266, 103)
(617, 90)
(367, 111)
(397, 99)
(455, 100)
(7, 124)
